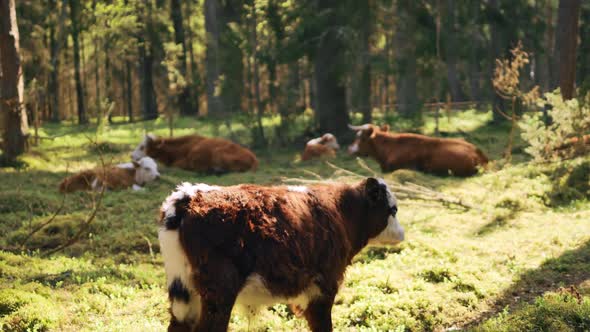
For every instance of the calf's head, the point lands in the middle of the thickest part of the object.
(141, 150)
(146, 170)
(328, 140)
(381, 221)
(363, 144)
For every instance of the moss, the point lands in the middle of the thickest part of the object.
(25, 311)
(551, 312)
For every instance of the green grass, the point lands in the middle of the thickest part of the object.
(485, 269)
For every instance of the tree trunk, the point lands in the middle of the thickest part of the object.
(330, 73)
(75, 17)
(214, 102)
(496, 50)
(149, 105)
(177, 22)
(364, 91)
(14, 116)
(56, 40)
(583, 75)
(128, 81)
(195, 82)
(451, 48)
(566, 42)
(406, 90)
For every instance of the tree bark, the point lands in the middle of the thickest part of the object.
(451, 54)
(583, 74)
(566, 43)
(496, 50)
(406, 90)
(330, 74)
(364, 92)
(213, 72)
(14, 116)
(177, 23)
(56, 41)
(149, 105)
(75, 17)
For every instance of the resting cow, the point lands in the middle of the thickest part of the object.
(122, 176)
(442, 156)
(321, 147)
(197, 153)
(257, 246)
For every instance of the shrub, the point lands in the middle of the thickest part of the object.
(570, 119)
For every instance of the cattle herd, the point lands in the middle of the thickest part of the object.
(254, 246)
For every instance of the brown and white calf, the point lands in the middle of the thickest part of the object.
(442, 156)
(256, 246)
(135, 174)
(321, 147)
(197, 153)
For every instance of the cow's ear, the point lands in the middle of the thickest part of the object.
(385, 127)
(374, 190)
(150, 137)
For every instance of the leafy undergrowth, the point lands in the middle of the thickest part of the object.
(527, 235)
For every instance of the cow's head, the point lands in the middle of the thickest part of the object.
(365, 134)
(328, 140)
(146, 170)
(381, 219)
(141, 150)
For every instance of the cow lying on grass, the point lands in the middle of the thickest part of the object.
(321, 147)
(122, 176)
(197, 153)
(257, 246)
(442, 156)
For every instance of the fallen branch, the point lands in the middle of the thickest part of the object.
(91, 217)
(406, 190)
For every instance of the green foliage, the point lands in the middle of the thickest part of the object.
(453, 264)
(569, 119)
(562, 311)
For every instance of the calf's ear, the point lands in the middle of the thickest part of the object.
(385, 127)
(374, 190)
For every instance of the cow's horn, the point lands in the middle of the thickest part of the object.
(357, 128)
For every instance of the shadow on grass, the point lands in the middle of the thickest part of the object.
(571, 268)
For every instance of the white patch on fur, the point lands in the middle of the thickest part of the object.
(353, 148)
(139, 151)
(146, 171)
(136, 187)
(393, 232)
(314, 141)
(298, 189)
(126, 166)
(182, 190)
(255, 294)
(94, 185)
(176, 265)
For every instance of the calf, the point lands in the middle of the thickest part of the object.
(325, 146)
(442, 156)
(197, 153)
(121, 176)
(257, 245)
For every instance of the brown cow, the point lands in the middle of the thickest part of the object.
(257, 246)
(197, 153)
(321, 147)
(442, 156)
(118, 177)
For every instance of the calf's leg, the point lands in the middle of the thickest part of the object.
(219, 283)
(319, 314)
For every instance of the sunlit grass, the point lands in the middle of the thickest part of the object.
(454, 267)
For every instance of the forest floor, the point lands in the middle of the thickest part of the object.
(506, 264)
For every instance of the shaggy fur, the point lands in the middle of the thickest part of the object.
(257, 245)
(198, 153)
(441, 156)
